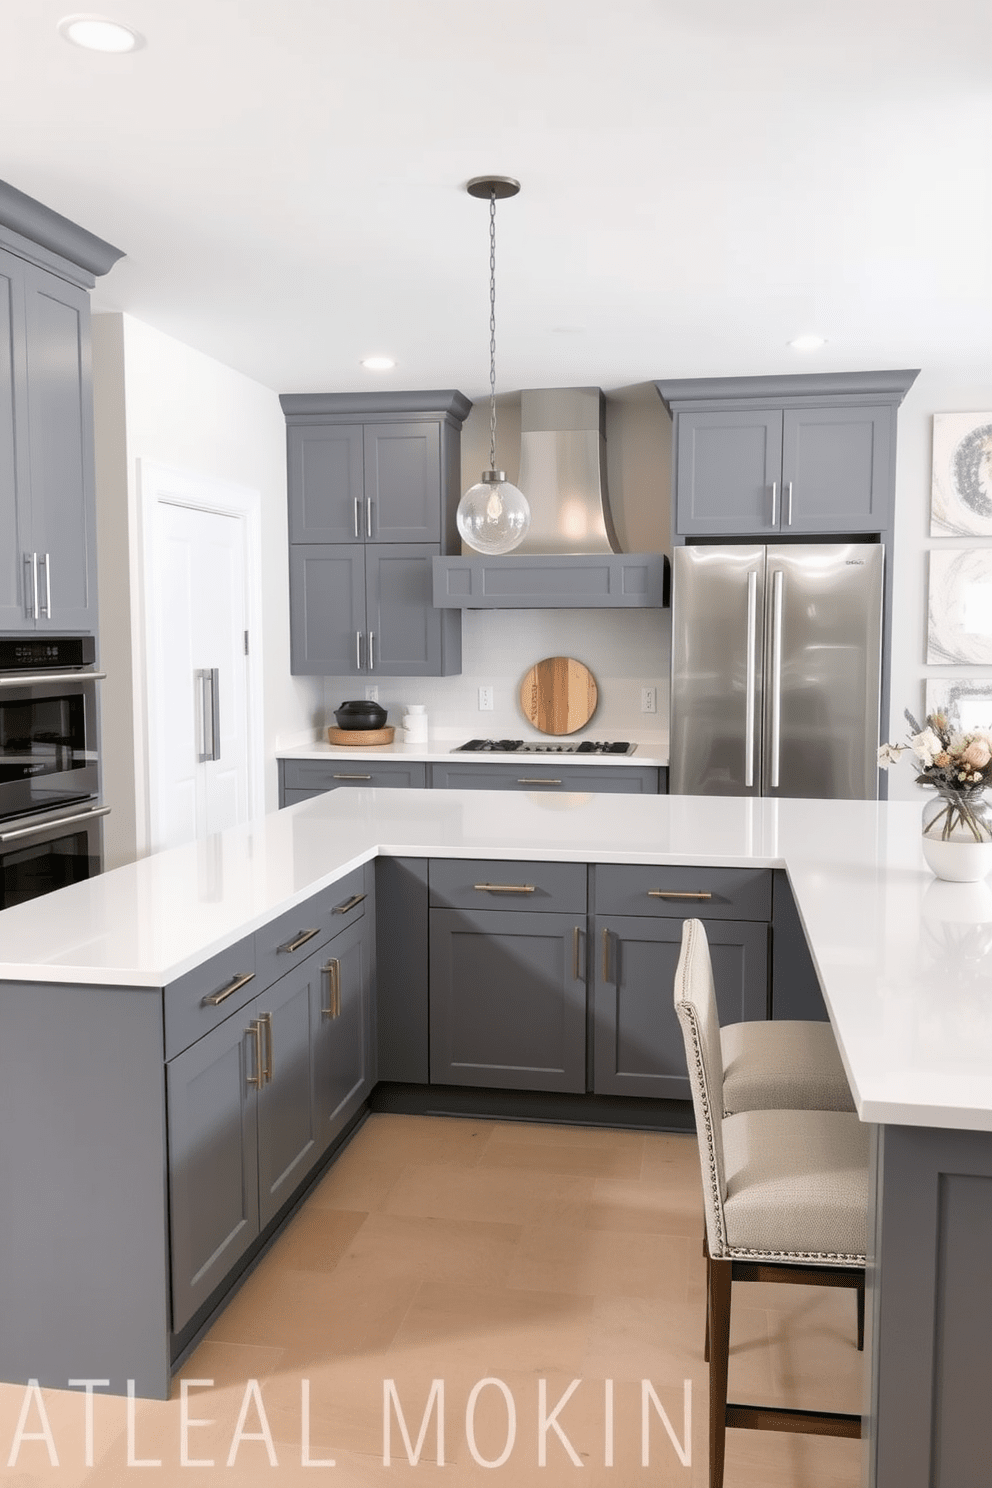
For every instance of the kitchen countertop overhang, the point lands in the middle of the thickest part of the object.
(901, 957)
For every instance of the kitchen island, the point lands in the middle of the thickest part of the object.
(901, 959)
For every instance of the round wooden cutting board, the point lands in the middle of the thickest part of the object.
(558, 695)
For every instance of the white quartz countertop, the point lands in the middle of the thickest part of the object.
(651, 749)
(905, 961)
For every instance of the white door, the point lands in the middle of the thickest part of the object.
(197, 690)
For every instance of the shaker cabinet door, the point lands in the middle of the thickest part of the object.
(729, 469)
(341, 1038)
(327, 609)
(326, 484)
(404, 625)
(213, 1162)
(836, 469)
(15, 538)
(287, 1114)
(403, 482)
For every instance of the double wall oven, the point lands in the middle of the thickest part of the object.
(50, 812)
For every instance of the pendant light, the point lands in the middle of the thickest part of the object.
(493, 516)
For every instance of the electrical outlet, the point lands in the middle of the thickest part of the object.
(485, 700)
(371, 692)
(649, 699)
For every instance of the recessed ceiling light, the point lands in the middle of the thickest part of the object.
(378, 363)
(808, 343)
(98, 34)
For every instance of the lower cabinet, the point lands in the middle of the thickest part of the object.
(524, 776)
(255, 1103)
(301, 779)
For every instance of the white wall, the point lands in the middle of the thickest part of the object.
(936, 390)
(158, 399)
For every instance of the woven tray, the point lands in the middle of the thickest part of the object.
(359, 738)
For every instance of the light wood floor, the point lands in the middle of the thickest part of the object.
(464, 1251)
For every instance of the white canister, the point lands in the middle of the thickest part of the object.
(415, 723)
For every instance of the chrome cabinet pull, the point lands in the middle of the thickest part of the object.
(526, 780)
(36, 611)
(576, 946)
(776, 680)
(774, 503)
(301, 939)
(788, 509)
(47, 612)
(351, 777)
(371, 650)
(490, 888)
(52, 826)
(679, 894)
(358, 516)
(214, 999)
(358, 650)
(266, 1020)
(750, 677)
(368, 517)
(333, 973)
(258, 1078)
(606, 955)
(347, 904)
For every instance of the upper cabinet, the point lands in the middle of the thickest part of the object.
(373, 489)
(47, 497)
(767, 456)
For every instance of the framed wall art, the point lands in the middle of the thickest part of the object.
(959, 630)
(961, 490)
(967, 701)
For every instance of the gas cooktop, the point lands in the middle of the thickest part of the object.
(531, 746)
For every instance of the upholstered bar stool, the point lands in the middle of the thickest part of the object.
(791, 1064)
(785, 1198)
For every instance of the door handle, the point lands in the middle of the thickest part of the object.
(358, 650)
(36, 610)
(788, 507)
(576, 957)
(265, 1019)
(300, 939)
(59, 822)
(347, 904)
(209, 679)
(216, 998)
(371, 650)
(776, 678)
(774, 521)
(333, 973)
(368, 517)
(750, 677)
(606, 955)
(358, 516)
(47, 612)
(258, 1078)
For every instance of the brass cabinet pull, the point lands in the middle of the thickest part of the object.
(258, 1078)
(488, 888)
(301, 939)
(266, 1020)
(679, 894)
(351, 777)
(525, 780)
(347, 904)
(576, 943)
(216, 998)
(333, 973)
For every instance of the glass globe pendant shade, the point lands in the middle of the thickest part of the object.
(493, 516)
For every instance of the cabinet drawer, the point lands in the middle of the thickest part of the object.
(684, 893)
(285, 942)
(316, 775)
(203, 998)
(482, 884)
(523, 776)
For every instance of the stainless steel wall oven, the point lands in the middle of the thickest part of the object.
(50, 811)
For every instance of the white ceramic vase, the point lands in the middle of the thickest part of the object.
(957, 836)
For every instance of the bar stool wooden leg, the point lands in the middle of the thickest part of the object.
(719, 1341)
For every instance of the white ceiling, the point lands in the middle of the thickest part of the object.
(701, 181)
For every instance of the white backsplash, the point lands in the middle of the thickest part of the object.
(626, 650)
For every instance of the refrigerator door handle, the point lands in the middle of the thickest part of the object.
(750, 680)
(776, 678)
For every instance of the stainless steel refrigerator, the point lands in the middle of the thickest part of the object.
(776, 669)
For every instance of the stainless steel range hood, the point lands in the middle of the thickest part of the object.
(563, 471)
(570, 558)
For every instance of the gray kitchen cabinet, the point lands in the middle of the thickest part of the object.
(373, 486)
(638, 1048)
(507, 985)
(350, 483)
(533, 581)
(47, 495)
(521, 775)
(794, 455)
(254, 1103)
(367, 611)
(301, 779)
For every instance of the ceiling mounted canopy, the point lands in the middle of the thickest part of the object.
(493, 516)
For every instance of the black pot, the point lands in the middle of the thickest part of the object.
(360, 715)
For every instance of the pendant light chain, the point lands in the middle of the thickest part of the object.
(492, 329)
